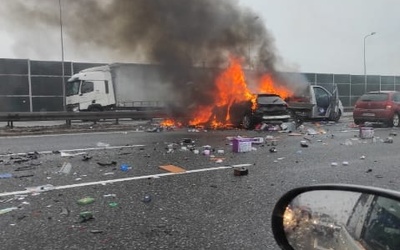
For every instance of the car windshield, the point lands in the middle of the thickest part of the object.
(375, 97)
(270, 100)
(72, 88)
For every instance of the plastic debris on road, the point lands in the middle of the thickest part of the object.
(5, 176)
(334, 164)
(304, 144)
(125, 167)
(7, 210)
(273, 150)
(362, 157)
(147, 198)
(172, 169)
(388, 140)
(66, 168)
(65, 154)
(240, 171)
(105, 164)
(86, 201)
(38, 189)
(102, 144)
(86, 216)
(113, 204)
(345, 163)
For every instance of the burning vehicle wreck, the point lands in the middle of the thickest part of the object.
(268, 108)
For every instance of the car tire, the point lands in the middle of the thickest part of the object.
(395, 121)
(337, 117)
(247, 122)
(357, 122)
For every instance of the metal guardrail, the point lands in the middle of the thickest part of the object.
(10, 118)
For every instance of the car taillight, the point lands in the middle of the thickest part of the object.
(388, 106)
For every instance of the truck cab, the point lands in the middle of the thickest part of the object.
(90, 90)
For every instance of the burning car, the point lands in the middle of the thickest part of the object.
(269, 108)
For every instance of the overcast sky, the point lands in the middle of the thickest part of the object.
(322, 36)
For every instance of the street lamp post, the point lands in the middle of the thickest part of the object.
(62, 56)
(365, 64)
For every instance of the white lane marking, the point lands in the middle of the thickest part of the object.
(54, 135)
(77, 150)
(125, 179)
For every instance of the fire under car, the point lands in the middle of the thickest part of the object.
(268, 108)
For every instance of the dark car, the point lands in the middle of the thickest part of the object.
(269, 108)
(378, 106)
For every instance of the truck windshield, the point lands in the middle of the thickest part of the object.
(72, 88)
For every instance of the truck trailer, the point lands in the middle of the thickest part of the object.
(118, 87)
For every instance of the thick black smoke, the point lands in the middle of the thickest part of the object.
(176, 34)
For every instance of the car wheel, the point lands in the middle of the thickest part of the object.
(337, 117)
(395, 120)
(247, 122)
(357, 122)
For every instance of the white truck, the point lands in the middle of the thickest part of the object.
(117, 87)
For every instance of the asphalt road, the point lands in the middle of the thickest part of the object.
(207, 207)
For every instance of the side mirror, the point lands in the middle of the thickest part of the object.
(337, 217)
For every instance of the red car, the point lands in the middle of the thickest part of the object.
(378, 106)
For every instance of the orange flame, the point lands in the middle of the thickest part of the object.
(267, 85)
(170, 123)
(231, 87)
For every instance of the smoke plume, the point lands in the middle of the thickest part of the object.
(176, 34)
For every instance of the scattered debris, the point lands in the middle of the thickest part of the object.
(393, 133)
(345, 163)
(172, 169)
(24, 168)
(105, 164)
(6, 176)
(240, 171)
(334, 164)
(368, 171)
(86, 158)
(110, 195)
(311, 131)
(64, 211)
(23, 176)
(86, 201)
(240, 145)
(362, 157)
(366, 132)
(66, 168)
(124, 167)
(304, 144)
(113, 204)
(39, 189)
(86, 216)
(273, 150)
(378, 176)
(102, 144)
(96, 231)
(7, 210)
(146, 198)
(65, 154)
(388, 140)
